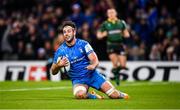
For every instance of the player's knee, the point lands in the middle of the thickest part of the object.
(80, 92)
(80, 95)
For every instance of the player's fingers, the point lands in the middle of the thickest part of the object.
(65, 59)
(62, 62)
(66, 64)
(89, 67)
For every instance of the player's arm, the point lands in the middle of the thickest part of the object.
(101, 34)
(93, 61)
(54, 69)
(125, 30)
(126, 33)
(56, 66)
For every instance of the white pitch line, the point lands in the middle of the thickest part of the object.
(29, 89)
(147, 84)
(68, 87)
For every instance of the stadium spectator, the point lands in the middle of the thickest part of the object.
(29, 52)
(41, 54)
(152, 20)
(77, 16)
(155, 53)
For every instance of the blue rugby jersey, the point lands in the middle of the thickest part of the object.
(78, 57)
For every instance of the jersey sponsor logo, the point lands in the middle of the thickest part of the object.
(77, 60)
(115, 31)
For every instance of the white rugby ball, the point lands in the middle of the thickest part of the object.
(64, 69)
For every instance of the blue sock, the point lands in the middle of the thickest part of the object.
(91, 96)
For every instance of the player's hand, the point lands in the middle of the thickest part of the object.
(90, 67)
(63, 62)
(104, 33)
(101, 35)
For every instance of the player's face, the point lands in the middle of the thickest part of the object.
(111, 13)
(68, 33)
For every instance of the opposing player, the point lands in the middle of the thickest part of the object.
(83, 63)
(114, 29)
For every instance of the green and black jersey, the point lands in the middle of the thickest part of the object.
(114, 30)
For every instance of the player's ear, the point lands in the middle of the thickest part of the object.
(74, 31)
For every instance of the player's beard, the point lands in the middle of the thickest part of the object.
(70, 39)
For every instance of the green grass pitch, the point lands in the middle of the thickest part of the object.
(58, 95)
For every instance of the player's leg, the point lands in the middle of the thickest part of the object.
(122, 59)
(99, 82)
(112, 92)
(113, 50)
(80, 91)
(115, 70)
(114, 59)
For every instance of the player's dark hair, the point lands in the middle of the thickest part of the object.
(66, 23)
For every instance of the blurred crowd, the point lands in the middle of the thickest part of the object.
(29, 28)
